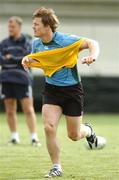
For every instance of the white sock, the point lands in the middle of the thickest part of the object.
(88, 130)
(15, 135)
(58, 166)
(34, 136)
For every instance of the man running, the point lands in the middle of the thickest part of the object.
(63, 89)
(16, 83)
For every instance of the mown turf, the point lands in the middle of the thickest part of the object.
(27, 162)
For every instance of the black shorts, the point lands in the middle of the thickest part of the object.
(69, 98)
(14, 90)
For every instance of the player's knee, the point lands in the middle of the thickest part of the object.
(28, 110)
(74, 136)
(49, 128)
(10, 111)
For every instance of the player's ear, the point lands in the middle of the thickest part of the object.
(47, 26)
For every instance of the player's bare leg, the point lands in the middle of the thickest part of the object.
(51, 115)
(11, 108)
(28, 109)
(77, 130)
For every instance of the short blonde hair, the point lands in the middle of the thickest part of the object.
(17, 19)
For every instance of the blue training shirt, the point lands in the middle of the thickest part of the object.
(65, 76)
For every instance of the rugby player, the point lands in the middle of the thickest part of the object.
(16, 82)
(63, 92)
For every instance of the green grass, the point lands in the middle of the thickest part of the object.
(27, 162)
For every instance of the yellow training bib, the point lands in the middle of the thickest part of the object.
(53, 60)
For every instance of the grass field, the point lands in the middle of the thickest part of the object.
(27, 162)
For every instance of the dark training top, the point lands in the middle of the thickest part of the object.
(12, 70)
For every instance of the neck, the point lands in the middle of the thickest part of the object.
(47, 37)
(17, 36)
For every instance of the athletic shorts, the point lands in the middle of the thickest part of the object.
(69, 98)
(14, 90)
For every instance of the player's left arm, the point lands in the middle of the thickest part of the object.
(94, 50)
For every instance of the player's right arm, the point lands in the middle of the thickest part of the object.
(26, 62)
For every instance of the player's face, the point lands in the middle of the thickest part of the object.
(13, 28)
(39, 28)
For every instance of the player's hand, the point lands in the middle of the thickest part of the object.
(26, 62)
(88, 60)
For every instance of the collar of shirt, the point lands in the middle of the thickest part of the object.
(20, 39)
